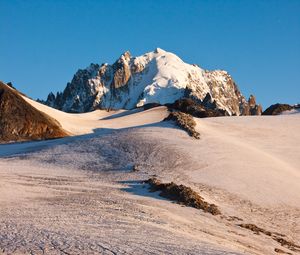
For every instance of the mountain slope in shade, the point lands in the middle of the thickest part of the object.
(276, 109)
(155, 77)
(20, 121)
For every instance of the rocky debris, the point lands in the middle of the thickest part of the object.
(276, 109)
(184, 121)
(19, 121)
(255, 229)
(183, 195)
(281, 251)
(135, 168)
(156, 77)
(275, 236)
(288, 244)
(190, 106)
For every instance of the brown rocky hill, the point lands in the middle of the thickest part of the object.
(20, 121)
(276, 109)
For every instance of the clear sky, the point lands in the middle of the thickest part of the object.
(44, 42)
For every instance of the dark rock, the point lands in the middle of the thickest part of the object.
(20, 121)
(276, 109)
(184, 121)
(256, 110)
(282, 251)
(188, 105)
(135, 168)
(150, 105)
(288, 244)
(209, 103)
(10, 85)
(255, 229)
(183, 195)
(275, 236)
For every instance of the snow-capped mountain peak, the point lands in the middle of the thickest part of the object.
(155, 77)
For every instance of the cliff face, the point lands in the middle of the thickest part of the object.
(155, 77)
(19, 121)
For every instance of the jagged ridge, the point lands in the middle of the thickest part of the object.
(155, 77)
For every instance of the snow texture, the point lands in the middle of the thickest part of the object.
(79, 195)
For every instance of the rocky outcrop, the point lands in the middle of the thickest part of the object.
(157, 77)
(19, 121)
(183, 195)
(122, 71)
(184, 121)
(199, 110)
(251, 108)
(276, 109)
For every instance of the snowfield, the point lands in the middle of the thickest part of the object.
(79, 195)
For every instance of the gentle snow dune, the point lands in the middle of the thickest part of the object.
(258, 157)
(85, 123)
(79, 195)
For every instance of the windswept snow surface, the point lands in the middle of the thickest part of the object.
(85, 123)
(79, 195)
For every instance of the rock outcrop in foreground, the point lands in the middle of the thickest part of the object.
(157, 77)
(19, 121)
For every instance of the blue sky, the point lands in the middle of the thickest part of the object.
(43, 43)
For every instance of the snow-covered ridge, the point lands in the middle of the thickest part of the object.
(155, 77)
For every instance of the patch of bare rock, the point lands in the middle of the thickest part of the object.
(183, 195)
(19, 121)
(184, 121)
(275, 236)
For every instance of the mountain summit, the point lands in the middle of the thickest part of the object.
(155, 77)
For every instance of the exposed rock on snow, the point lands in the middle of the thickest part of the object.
(187, 105)
(182, 194)
(185, 121)
(276, 109)
(155, 77)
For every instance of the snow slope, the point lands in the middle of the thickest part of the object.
(79, 195)
(85, 123)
